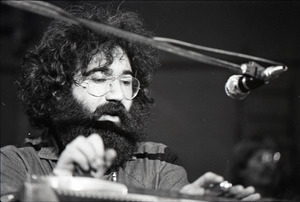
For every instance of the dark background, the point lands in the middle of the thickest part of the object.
(192, 113)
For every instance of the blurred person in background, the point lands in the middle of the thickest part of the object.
(260, 161)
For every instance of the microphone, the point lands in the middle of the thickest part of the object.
(239, 86)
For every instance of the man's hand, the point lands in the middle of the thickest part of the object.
(85, 155)
(202, 184)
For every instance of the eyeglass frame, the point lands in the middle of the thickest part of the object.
(113, 78)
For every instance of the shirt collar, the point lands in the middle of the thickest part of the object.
(47, 147)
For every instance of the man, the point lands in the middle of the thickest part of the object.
(91, 93)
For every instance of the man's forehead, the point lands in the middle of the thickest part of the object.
(97, 61)
(120, 62)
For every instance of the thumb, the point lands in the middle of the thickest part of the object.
(207, 179)
(192, 189)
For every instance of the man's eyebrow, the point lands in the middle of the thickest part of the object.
(105, 70)
(97, 69)
(127, 72)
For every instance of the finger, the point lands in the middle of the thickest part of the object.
(207, 179)
(87, 149)
(96, 141)
(110, 156)
(71, 156)
(252, 197)
(236, 189)
(245, 192)
(97, 144)
(192, 189)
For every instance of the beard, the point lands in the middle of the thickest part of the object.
(70, 119)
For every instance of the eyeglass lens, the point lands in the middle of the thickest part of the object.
(101, 86)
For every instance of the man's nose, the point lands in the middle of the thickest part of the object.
(115, 93)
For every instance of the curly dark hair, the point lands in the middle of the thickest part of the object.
(67, 49)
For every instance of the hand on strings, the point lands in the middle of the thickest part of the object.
(204, 186)
(85, 156)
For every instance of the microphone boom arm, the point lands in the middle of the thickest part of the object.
(52, 11)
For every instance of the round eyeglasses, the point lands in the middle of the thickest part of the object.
(100, 86)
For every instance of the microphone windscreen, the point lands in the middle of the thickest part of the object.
(233, 89)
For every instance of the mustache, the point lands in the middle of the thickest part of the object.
(112, 108)
(115, 109)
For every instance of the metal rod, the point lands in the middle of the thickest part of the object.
(52, 11)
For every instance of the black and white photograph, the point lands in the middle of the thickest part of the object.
(150, 100)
